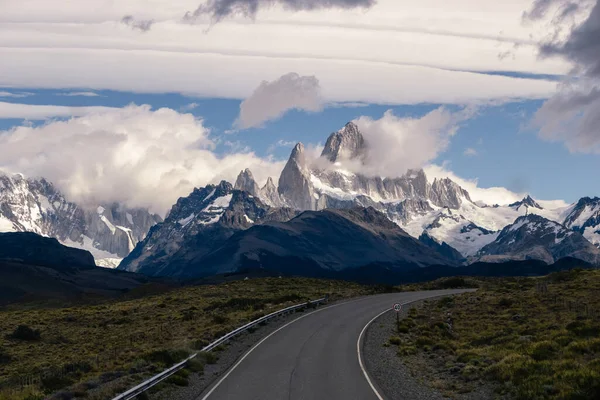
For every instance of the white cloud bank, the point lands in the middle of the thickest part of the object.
(383, 55)
(396, 144)
(271, 100)
(40, 112)
(131, 155)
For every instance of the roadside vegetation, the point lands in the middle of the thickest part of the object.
(84, 351)
(528, 338)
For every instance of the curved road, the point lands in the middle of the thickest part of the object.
(313, 357)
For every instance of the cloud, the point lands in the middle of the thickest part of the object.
(490, 196)
(281, 143)
(572, 115)
(40, 112)
(470, 152)
(273, 99)
(132, 155)
(78, 94)
(189, 107)
(397, 144)
(143, 25)
(220, 9)
(79, 49)
(15, 95)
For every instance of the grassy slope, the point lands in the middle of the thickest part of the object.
(132, 336)
(535, 338)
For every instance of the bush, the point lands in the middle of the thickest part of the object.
(446, 302)
(5, 358)
(208, 357)
(220, 319)
(195, 365)
(166, 357)
(505, 302)
(395, 340)
(424, 341)
(23, 332)
(544, 350)
(179, 379)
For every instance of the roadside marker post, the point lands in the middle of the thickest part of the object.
(397, 307)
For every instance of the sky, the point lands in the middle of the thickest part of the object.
(141, 101)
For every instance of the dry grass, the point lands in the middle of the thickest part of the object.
(533, 338)
(100, 343)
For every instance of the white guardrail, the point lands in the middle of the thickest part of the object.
(142, 387)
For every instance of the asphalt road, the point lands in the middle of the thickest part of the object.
(312, 358)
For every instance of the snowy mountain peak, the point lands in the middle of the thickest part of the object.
(108, 231)
(245, 181)
(584, 217)
(447, 193)
(535, 237)
(347, 143)
(527, 202)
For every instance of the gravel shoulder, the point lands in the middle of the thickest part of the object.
(404, 377)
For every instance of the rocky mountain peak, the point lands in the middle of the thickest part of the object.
(294, 184)
(448, 193)
(298, 156)
(527, 202)
(270, 184)
(347, 143)
(535, 237)
(245, 182)
(270, 195)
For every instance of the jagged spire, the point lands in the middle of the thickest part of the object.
(245, 182)
(348, 142)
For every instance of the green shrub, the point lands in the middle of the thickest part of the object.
(544, 350)
(166, 357)
(23, 332)
(446, 302)
(220, 319)
(5, 358)
(195, 365)
(395, 340)
(208, 357)
(424, 341)
(178, 379)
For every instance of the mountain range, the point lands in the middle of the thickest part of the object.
(321, 217)
(108, 231)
